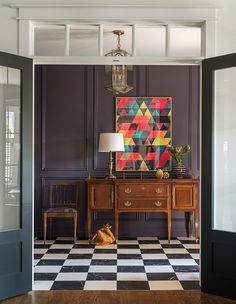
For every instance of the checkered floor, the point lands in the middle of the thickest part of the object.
(138, 264)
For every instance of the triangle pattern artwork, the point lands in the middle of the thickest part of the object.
(145, 123)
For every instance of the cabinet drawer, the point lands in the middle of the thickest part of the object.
(129, 190)
(142, 204)
(101, 196)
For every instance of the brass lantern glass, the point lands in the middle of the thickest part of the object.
(119, 72)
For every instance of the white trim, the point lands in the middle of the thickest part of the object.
(100, 40)
(67, 40)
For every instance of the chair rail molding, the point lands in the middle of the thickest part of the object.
(151, 14)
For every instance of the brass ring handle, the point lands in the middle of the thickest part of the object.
(158, 203)
(128, 190)
(158, 190)
(127, 204)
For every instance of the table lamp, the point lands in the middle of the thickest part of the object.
(111, 142)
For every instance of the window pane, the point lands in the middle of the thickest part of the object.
(185, 42)
(150, 41)
(10, 94)
(49, 42)
(84, 42)
(110, 39)
(225, 150)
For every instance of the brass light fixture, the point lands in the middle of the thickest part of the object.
(119, 72)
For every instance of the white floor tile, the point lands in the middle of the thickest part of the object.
(186, 238)
(187, 276)
(61, 246)
(150, 246)
(128, 251)
(192, 246)
(129, 262)
(72, 276)
(175, 250)
(133, 276)
(102, 268)
(82, 242)
(40, 250)
(195, 256)
(127, 242)
(111, 246)
(55, 256)
(183, 262)
(103, 256)
(47, 269)
(158, 256)
(100, 285)
(82, 251)
(77, 262)
(40, 242)
(42, 285)
(165, 285)
(174, 242)
(36, 262)
(159, 268)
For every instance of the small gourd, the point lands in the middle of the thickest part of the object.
(159, 174)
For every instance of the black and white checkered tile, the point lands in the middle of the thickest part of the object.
(140, 264)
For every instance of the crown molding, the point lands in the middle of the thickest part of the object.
(119, 5)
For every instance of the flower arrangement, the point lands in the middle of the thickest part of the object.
(178, 152)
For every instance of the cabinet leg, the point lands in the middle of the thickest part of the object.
(190, 224)
(44, 227)
(116, 225)
(89, 224)
(169, 225)
(196, 225)
(75, 226)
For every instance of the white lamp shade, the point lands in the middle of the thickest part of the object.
(111, 142)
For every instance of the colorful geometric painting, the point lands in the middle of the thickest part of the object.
(145, 123)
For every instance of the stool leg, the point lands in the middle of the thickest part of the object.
(44, 226)
(75, 226)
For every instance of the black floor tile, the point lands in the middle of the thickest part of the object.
(129, 256)
(149, 242)
(128, 246)
(45, 276)
(76, 246)
(74, 269)
(132, 285)
(190, 284)
(79, 256)
(152, 251)
(162, 276)
(68, 285)
(58, 251)
(186, 268)
(172, 246)
(156, 262)
(50, 262)
(178, 256)
(130, 269)
(104, 262)
(38, 256)
(42, 246)
(64, 242)
(193, 250)
(105, 251)
(101, 276)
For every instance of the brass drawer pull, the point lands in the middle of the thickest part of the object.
(128, 190)
(158, 190)
(158, 203)
(127, 204)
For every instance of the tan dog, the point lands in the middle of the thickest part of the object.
(104, 236)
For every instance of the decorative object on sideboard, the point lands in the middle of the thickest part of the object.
(104, 236)
(159, 174)
(178, 153)
(166, 175)
(119, 73)
(111, 142)
(145, 123)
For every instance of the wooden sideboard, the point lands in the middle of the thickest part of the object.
(143, 195)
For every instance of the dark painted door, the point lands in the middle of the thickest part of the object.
(15, 175)
(218, 188)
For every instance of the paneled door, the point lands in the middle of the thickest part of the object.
(15, 175)
(218, 182)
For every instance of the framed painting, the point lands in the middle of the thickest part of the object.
(146, 125)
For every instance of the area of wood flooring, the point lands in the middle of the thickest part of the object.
(117, 297)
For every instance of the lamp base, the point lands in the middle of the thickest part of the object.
(110, 176)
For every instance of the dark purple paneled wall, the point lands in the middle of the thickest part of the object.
(72, 107)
